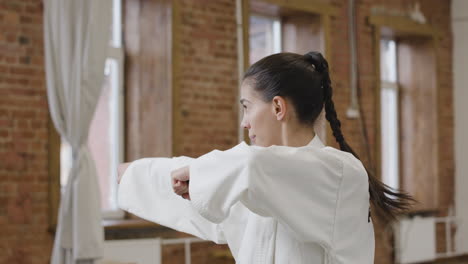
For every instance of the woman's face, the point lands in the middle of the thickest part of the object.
(259, 118)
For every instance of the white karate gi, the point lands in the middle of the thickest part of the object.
(270, 205)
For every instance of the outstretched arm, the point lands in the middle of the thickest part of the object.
(145, 190)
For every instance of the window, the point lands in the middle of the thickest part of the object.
(408, 105)
(265, 37)
(106, 130)
(389, 113)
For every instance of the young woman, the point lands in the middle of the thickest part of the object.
(285, 199)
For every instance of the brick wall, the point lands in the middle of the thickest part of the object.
(23, 135)
(207, 50)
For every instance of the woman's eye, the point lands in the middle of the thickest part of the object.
(245, 107)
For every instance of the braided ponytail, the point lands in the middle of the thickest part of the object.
(389, 202)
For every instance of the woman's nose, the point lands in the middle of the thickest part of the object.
(245, 124)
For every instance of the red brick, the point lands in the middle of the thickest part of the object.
(11, 18)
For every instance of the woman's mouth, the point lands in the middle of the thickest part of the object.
(252, 138)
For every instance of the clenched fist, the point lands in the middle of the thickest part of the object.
(180, 182)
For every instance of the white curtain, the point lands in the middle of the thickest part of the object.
(76, 43)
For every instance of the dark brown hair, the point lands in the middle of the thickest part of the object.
(305, 80)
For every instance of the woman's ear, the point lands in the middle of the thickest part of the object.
(279, 107)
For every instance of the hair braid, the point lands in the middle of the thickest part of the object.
(388, 201)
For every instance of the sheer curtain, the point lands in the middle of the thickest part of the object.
(76, 35)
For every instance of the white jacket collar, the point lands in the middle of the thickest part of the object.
(316, 142)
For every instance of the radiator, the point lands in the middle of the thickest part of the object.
(132, 251)
(415, 240)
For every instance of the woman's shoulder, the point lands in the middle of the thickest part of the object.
(324, 155)
(346, 157)
(352, 166)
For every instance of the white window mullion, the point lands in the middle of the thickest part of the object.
(389, 104)
(116, 132)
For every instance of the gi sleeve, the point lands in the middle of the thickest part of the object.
(145, 190)
(297, 186)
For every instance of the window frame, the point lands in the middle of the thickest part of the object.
(398, 28)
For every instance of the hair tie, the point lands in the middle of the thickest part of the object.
(317, 60)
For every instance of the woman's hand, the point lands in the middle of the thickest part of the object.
(121, 169)
(180, 182)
